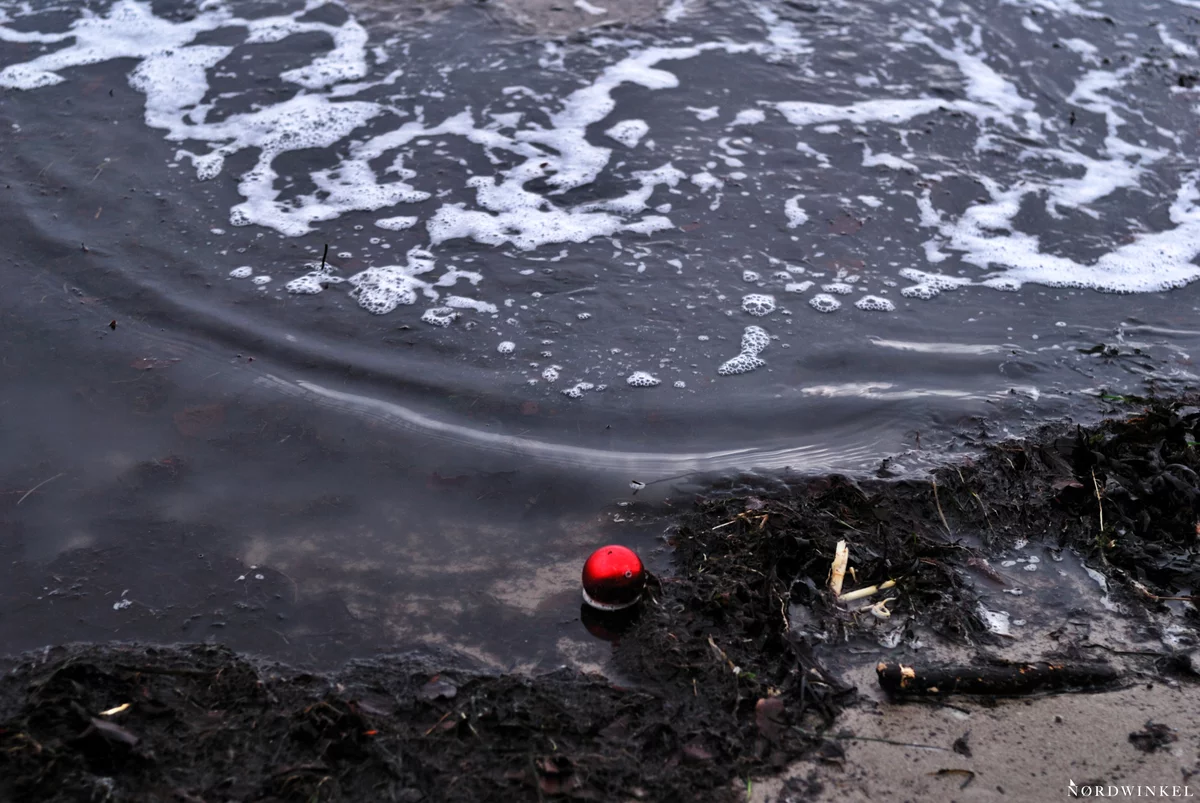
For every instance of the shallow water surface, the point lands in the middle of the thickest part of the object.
(743, 236)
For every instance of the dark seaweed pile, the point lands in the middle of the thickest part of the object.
(1125, 494)
(722, 682)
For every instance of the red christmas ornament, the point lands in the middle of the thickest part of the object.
(613, 578)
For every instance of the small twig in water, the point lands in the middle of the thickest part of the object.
(1099, 500)
(39, 485)
(324, 256)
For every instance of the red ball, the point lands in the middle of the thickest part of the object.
(613, 578)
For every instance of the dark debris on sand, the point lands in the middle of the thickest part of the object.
(1125, 494)
(723, 684)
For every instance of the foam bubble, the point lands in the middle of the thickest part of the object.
(755, 339)
(797, 287)
(929, 285)
(641, 379)
(346, 62)
(315, 280)
(875, 304)
(461, 302)
(261, 280)
(629, 132)
(751, 276)
(243, 272)
(795, 215)
(506, 347)
(838, 288)
(399, 223)
(758, 304)
(577, 391)
(749, 117)
(550, 374)
(680, 384)
(439, 316)
(824, 303)
(741, 364)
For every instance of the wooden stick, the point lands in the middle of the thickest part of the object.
(837, 572)
(863, 593)
(1006, 680)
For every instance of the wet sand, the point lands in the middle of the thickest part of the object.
(1020, 749)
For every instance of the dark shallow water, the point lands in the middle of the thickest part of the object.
(292, 474)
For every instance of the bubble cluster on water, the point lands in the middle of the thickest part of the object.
(823, 302)
(754, 340)
(875, 304)
(641, 379)
(576, 391)
(758, 304)
(439, 316)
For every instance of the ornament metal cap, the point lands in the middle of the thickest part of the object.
(613, 578)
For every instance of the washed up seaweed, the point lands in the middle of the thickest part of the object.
(1125, 494)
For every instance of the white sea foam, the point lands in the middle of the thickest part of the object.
(589, 8)
(749, 117)
(677, 10)
(399, 223)
(823, 302)
(439, 316)
(629, 132)
(758, 304)
(577, 390)
(641, 379)
(754, 340)
(795, 215)
(541, 140)
(315, 280)
(1179, 48)
(173, 74)
(888, 160)
(875, 304)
